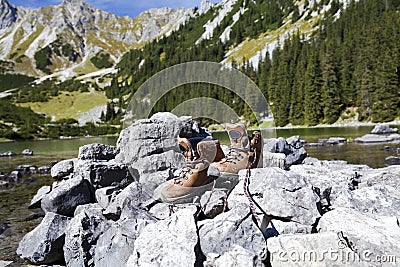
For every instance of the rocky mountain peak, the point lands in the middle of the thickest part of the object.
(205, 6)
(67, 2)
(8, 14)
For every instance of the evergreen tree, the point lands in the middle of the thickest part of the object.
(331, 93)
(313, 112)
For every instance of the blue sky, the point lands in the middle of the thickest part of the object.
(130, 8)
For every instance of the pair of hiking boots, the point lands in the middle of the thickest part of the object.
(196, 177)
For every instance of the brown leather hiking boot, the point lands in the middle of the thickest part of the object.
(211, 150)
(238, 156)
(192, 180)
(256, 150)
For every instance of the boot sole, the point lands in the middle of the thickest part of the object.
(197, 191)
(224, 181)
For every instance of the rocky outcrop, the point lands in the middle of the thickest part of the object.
(97, 152)
(63, 168)
(79, 25)
(382, 133)
(68, 195)
(116, 244)
(44, 244)
(300, 211)
(284, 153)
(170, 242)
(234, 227)
(150, 147)
(392, 160)
(384, 129)
(8, 14)
(81, 236)
(205, 5)
(103, 173)
(363, 233)
(377, 138)
(289, 197)
(27, 152)
(37, 199)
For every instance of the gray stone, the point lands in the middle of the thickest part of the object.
(170, 242)
(4, 185)
(389, 176)
(132, 194)
(365, 234)
(5, 263)
(213, 202)
(339, 140)
(274, 159)
(69, 194)
(44, 245)
(234, 227)
(37, 199)
(8, 154)
(15, 177)
(151, 136)
(104, 195)
(377, 199)
(314, 144)
(26, 169)
(158, 162)
(63, 168)
(88, 208)
(281, 194)
(97, 152)
(81, 237)
(236, 256)
(375, 138)
(104, 173)
(384, 129)
(277, 227)
(115, 246)
(150, 181)
(296, 157)
(292, 148)
(191, 128)
(44, 170)
(392, 160)
(162, 211)
(323, 249)
(27, 152)
(329, 179)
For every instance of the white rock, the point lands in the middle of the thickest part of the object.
(170, 242)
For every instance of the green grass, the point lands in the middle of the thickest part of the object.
(85, 68)
(250, 47)
(25, 45)
(68, 104)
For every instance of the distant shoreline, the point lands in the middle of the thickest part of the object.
(344, 124)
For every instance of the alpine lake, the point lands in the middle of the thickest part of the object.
(16, 219)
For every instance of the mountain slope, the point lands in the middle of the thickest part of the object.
(55, 38)
(321, 60)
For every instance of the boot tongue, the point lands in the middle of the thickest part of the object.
(238, 135)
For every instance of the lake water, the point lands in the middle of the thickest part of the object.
(16, 220)
(373, 155)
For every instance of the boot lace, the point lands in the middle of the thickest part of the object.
(235, 154)
(188, 169)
